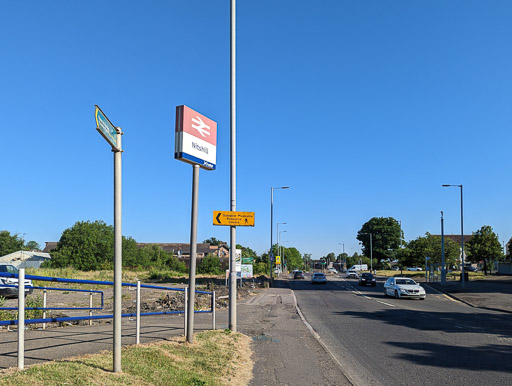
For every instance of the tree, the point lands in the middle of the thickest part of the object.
(293, 258)
(85, 246)
(9, 243)
(485, 246)
(213, 241)
(386, 236)
(429, 246)
(32, 246)
(210, 264)
(246, 251)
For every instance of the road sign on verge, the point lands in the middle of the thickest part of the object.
(233, 218)
(278, 259)
(105, 127)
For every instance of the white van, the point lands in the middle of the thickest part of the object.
(12, 292)
(359, 267)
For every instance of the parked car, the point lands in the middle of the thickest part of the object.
(470, 268)
(332, 270)
(367, 278)
(318, 278)
(414, 269)
(12, 292)
(352, 273)
(403, 287)
(298, 275)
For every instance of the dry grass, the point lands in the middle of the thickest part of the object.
(215, 358)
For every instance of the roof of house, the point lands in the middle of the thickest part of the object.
(49, 246)
(456, 238)
(24, 255)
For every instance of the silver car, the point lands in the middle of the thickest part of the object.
(403, 287)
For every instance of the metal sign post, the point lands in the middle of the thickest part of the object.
(196, 144)
(193, 252)
(113, 135)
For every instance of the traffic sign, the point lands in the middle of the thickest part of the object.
(105, 127)
(233, 218)
(195, 138)
(278, 259)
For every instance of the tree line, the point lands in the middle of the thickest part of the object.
(387, 246)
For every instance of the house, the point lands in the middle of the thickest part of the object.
(24, 259)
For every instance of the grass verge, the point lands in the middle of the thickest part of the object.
(215, 358)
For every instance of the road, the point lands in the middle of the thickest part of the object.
(382, 340)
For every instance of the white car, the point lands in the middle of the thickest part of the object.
(351, 273)
(332, 270)
(318, 278)
(11, 288)
(403, 287)
(414, 269)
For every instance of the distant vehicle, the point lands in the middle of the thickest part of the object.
(332, 270)
(470, 268)
(12, 292)
(414, 269)
(367, 279)
(318, 278)
(351, 273)
(395, 268)
(403, 287)
(298, 275)
(359, 267)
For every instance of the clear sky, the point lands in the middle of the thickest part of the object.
(363, 108)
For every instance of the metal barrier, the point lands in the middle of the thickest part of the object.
(21, 321)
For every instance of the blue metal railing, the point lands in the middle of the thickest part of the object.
(90, 317)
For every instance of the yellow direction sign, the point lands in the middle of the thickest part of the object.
(233, 218)
(278, 259)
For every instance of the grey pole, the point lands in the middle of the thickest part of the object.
(443, 269)
(21, 319)
(270, 257)
(462, 279)
(137, 320)
(90, 308)
(118, 257)
(371, 253)
(193, 253)
(232, 252)
(462, 237)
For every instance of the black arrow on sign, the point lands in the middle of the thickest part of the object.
(218, 217)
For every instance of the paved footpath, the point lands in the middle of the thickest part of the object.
(285, 351)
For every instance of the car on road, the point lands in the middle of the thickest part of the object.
(414, 269)
(318, 278)
(352, 273)
(332, 270)
(298, 275)
(470, 268)
(6, 282)
(367, 278)
(403, 287)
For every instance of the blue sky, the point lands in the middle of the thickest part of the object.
(363, 108)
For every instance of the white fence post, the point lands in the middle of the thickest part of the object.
(185, 312)
(21, 318)
(213, 310)
(44, 306)
(90, 308)
(137, 328)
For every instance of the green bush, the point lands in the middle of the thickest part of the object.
(210, 265)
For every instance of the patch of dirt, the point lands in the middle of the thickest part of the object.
(152, 300)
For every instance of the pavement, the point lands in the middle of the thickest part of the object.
(490, 294)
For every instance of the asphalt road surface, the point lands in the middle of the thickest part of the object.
(382, 340)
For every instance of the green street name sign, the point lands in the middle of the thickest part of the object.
(105, 127)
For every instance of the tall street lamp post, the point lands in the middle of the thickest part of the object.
(462, 279)
(371, 251)
(270, 255)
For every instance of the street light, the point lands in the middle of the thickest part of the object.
(279, 249)
(270, 256)
(462, 279)
(278, 238)
(342, 267)
(371, 251)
